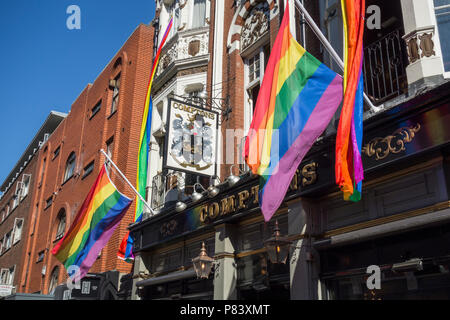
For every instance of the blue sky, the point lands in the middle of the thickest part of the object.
(44, 65)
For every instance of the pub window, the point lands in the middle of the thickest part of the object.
(8, 240)
(88, 169)
(56, 152)
(48, 202)
(53, 281)
(61, 224)
(40, 256)
(96, 109)
(25, 186)
(115, 96)
(42, 171)
(70, 167)
(17, 234)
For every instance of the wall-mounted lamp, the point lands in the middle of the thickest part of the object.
(277, 246)
(203, 263)
(232, 179)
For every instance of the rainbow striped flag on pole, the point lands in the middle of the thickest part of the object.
(126, 247)
(348, 167)
(297, 100)
(93, 226)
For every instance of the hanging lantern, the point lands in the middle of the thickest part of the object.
(203, 263)
(277, 246)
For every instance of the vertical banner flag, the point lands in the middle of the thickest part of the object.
(93, 226)
(125, 249)
(348, 167)
(297, 100)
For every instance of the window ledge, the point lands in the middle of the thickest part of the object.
(113, 113)
(67, 180)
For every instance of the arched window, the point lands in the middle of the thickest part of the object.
(53, 280)
(70, 166)
(61, 224)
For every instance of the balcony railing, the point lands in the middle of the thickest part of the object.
(384, 68)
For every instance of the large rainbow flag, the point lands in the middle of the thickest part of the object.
(93, 226)
(297, 100)
(126, 247)
(348, 166)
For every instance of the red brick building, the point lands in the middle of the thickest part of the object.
(106, 115)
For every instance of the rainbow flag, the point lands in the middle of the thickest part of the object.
(348, 167)
(93, 226)
(126, 247)
(297, 100)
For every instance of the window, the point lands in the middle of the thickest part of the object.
(56, 152)
(115, 97)
(70, 167)
(199, 13)
(4, 276)
(15, 201)
(1, 246)
(42, 171)
(53, 281)
(7, 240)
(41, 256)
(3, 215)
(17, 234)
(442, 10)
(11, 273)
(96, 109)
(110, 149)
(48, 202)
(254, 73)
(88, 169)
(25, 185)
(61, 224)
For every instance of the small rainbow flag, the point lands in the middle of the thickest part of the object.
(297, 100)
(126, 247)
(348, 167)
(93, 226)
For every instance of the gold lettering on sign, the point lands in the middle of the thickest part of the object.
(243, 196)
(203, 213)
(214, 210)
(255, 194)
(227, 205)
(294, 182)
(309, 174)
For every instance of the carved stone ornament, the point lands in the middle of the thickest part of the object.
(194, 47)
(413, 50)
(427, 45)
(256, 25)
(380, 148)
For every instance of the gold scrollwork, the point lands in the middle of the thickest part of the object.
(394, 143)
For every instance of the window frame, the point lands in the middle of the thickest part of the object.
(96, 109)
(72, 161)
(88, 169)
(437, 39)
(15, 239)
(115, 94)
(60, 233)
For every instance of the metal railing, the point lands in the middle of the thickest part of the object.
(384, 68)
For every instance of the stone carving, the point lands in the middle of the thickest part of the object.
(427, 45)
(413, 50)
(256, 25)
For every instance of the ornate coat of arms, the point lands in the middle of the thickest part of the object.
(192, 135)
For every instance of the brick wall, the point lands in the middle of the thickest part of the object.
(85, 134)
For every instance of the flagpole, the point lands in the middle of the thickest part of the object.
(128, 182)
(327, 45)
